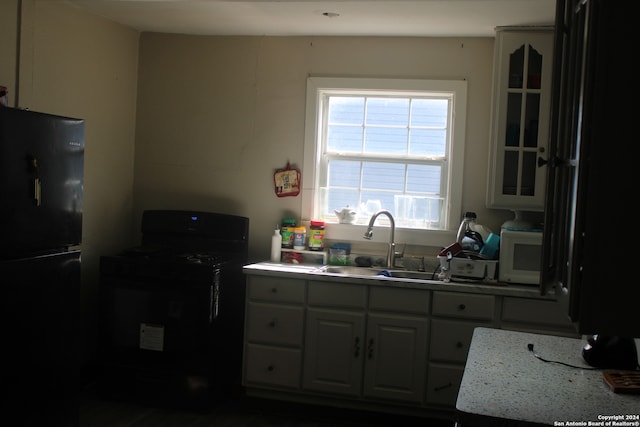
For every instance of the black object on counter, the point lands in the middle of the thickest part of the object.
(609, 352)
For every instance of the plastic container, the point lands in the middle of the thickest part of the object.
(491, 246)
(316, 236)
(299, 238)
(339, 254)
(276, 246)
(286, 231)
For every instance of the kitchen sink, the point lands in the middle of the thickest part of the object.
(377, 271)
(351, 270)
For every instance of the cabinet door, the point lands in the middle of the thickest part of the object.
(521, 101)
(396, 357)
(334, 349)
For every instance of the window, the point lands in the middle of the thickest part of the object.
(389, 144)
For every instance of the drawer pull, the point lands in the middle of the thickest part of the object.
(462, 306)
(271, 368)
(356, 347)
(272, 324)
(274, 290)
(443, 387)
(459, 344)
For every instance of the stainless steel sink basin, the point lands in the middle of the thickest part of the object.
(420, 275)
(351, 270)
(377, 271)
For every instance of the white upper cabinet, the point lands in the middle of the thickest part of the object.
(522, 71)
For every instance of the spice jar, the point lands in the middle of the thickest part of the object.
(299, 238)
(286, 231)
(316, 236)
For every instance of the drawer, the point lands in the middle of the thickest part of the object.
(276, 289)
(401, 300)
(273, 366)
(337, 295)
(274, 324)
(540, 312)
(443, 384)
(450, 340)
(470, 306)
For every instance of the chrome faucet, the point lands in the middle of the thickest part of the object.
(391, 250)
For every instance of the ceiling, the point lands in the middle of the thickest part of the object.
(417, 18)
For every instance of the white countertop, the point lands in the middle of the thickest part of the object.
(503, 380)
(313, 272)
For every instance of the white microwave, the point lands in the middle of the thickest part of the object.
(520, 256)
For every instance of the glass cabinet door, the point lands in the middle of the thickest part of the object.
(521, 117)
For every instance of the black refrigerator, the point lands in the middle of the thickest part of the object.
(41, 192)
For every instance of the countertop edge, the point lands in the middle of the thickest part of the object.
(307, 272)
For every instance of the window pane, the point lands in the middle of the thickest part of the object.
(344, 139)
(343, 173)
(376, 200)
(340, 198)
(388, 111)
(385, 140)
(346, 110)
(423, 179)
(429, 112)
(427, 142)
(382, 176)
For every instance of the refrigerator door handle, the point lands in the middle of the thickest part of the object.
(37, 191)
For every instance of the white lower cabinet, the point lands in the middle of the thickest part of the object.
(396, 357)
(274, 366)
(365, 353)
(370, 345)
(274, 320)
(444, 383)
(334, 347)
(454, 317)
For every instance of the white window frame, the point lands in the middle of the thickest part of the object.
(316, 86)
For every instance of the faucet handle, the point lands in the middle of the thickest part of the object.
(399, 253)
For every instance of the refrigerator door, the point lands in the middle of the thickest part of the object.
(41, 182)
(39, 310)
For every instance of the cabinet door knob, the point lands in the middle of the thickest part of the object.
(274, 290)
(356, 347)
(459, 344)
(271, 368)
(272, 324)
(370, 349)
(462, 306)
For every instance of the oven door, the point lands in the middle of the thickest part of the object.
(158, 322)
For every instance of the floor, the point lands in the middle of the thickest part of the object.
(241, 411)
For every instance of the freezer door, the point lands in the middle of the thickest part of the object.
(39, 312)
(41, 181)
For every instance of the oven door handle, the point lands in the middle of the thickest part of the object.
(214, 296)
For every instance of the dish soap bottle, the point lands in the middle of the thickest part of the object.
(276, 245)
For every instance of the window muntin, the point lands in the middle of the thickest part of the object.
(386, 143)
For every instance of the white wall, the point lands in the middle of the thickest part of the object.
(217, 115)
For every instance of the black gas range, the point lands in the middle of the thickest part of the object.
(172, 310)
